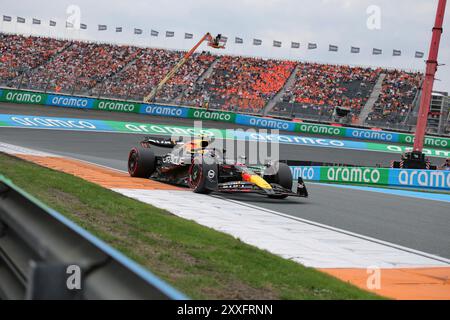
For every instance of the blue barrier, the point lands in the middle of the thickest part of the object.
(428, 179)
(299, 140)
(306, 173)
(404, 178)
(37, 122)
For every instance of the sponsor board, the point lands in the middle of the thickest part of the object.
(159, 129)
(401, 149)
(299, 140)
(117, 106)
(164, 111)
(307, 173)
(36, 122)
(372, 135)
(202, 114)
(26, 97)
(355, 175)
(436, 142)
(320, 129)
(420, 179)
(433, 179)
(266, 123)
(69, 102)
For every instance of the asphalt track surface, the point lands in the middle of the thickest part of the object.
(414, 223)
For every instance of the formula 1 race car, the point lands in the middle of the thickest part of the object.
(196, 165)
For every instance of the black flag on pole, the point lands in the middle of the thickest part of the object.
(20, 20)
(154, 33)
(257, 42)
(277, 44)
(396, 53)
(238, 40)
(312, 46)
(119, 29)
(137, 31)
(419, 54)
(7, 18)
(355, 50)
(170, 34)
(295, 45)
(333, 48)
(188, 35)
(52, 23)
(83, 26)
(377, 51)
(36, 21)
(69, 25)
(102, 27)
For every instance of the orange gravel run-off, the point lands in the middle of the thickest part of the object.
(104, 177)
(420, 283)
(404, 284)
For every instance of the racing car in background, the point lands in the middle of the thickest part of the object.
(195, 164)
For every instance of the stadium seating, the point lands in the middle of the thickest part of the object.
(319, 88)
(19, 53)
(241, 83)
(396, 99)
(80, 67)
(144, 73)
(232, 83)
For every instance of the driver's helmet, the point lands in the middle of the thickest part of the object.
(196, 146)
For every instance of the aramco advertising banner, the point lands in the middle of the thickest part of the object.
(421, 179)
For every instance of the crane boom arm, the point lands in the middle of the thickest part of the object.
(149, 98)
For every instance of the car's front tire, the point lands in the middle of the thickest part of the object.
(141, 162)
(281, 174)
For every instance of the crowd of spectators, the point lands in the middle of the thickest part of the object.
(241, 83)
(233, 83)
(396, 98)
(329, 86)
(80, 67)
(141, 76)
(20, 53)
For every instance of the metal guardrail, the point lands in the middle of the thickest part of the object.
(44, 255)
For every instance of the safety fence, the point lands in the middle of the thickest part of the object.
(55, 100)
(43, 255)
(404, 178)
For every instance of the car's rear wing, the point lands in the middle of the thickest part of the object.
(159, 142)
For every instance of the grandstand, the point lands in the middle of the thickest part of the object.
(289, 89)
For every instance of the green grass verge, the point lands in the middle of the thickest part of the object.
(201, 262)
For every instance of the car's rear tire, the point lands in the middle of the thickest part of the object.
(141, 162)
(203, 177)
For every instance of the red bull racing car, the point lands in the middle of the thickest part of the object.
(195, 164)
